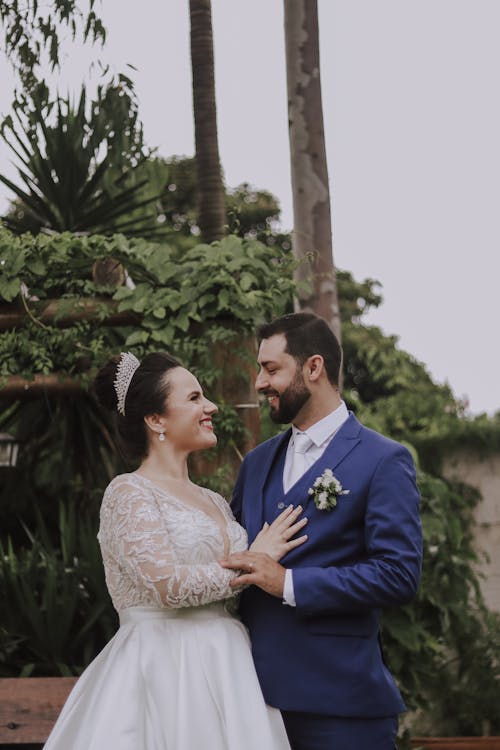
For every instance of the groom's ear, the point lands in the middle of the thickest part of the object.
(313, 367)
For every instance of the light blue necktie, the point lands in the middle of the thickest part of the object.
(301, 444)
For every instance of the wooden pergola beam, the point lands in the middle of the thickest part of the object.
(56, 312)
(18, 387)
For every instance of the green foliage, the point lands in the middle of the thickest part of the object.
(174, 293)
(179, 199)
(460, 683)
(479, 436)
(67, 451)
(234, 279)
(252, 214)
(417, 636)
(188, 302)
(35, 351)
(31, 28)
(78, 163)
(469, 703)
(56, 610)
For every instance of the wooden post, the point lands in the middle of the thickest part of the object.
(236, 388)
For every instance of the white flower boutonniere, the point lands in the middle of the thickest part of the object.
(326, 490)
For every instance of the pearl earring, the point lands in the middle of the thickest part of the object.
(161, 437)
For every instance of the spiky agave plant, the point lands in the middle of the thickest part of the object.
(81, 166)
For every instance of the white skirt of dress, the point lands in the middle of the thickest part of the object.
(171, 680)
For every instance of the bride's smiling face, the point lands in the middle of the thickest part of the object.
(188, 415)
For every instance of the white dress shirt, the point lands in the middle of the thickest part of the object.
(320, 435)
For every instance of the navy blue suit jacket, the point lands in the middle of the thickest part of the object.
(324, 656)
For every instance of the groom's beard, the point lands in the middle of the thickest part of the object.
(291, 400)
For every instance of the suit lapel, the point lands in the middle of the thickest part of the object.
(341, 444)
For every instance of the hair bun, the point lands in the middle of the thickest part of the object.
(104, 385)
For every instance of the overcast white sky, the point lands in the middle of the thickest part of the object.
(411, 96)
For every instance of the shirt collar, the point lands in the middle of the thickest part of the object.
(324, 430)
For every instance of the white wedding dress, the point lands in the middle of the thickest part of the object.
(178, 674)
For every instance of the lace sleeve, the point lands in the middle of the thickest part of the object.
(142, 547)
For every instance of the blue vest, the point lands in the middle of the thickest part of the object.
(275, 499)
(274, 495)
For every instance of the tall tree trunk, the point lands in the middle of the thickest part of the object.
(312, 234)
(211, 217)
(235, 384)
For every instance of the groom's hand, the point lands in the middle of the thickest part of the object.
(256, 568)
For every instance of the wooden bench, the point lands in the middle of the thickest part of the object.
(29, 707)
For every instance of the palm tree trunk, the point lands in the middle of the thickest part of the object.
(312, 234)
(211, 217)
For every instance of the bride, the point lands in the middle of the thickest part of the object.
(178, 674)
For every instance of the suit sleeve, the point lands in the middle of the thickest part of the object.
(389, 572)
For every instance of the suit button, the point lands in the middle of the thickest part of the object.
(281, 506)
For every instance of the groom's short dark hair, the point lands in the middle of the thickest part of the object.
(307, 334)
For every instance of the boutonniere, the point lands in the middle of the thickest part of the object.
(326, 490)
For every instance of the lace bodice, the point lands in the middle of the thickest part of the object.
(159, 551)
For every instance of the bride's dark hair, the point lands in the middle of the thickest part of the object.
(147, 393)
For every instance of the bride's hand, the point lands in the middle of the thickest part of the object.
(276, 539)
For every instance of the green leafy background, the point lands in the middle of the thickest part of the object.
(443, 648)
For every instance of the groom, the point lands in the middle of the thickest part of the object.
(314, 619)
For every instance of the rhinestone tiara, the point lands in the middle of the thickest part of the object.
(127, 365)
